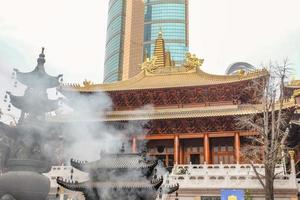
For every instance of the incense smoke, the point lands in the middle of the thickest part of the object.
(76, 130)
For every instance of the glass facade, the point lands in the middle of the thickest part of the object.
(114, 32)
(170, 17)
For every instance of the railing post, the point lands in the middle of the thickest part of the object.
(293, 169)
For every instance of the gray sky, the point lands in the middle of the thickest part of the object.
(73, 32)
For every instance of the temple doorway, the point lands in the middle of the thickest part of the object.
(222, 151)
(163, 150)
(195, 158)
(193, 151)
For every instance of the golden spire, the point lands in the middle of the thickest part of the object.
(159, 50)
(168, 61)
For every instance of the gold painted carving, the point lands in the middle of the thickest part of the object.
(149, 65)
(87, 83)
(192, 62)
(241, 72)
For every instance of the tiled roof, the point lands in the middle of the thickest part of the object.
(168, 78)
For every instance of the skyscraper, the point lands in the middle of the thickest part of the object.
(171, 18)
(133, 27)
(124, 41)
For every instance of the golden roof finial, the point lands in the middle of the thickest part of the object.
(160, 33)
(159, 51)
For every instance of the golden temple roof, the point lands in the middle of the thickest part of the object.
(159, 72)
(171, 113)
(167, 78)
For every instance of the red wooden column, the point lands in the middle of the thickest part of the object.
(133, 145)
(176, 149)
(206, 149)
(181, 153)
(237, 146)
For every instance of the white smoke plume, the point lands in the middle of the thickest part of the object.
(77, 131)
(86, 135)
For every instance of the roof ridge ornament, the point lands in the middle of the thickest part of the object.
(192, 62)
(160, 33)
(149, 65)
(87, 83)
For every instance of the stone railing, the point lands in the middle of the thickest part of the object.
(227, 176)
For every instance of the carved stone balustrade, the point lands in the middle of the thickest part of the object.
(197, 181)
(227, 176)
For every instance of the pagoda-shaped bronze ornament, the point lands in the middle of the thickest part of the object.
(122, 175)
(22, 153)
(35, 103)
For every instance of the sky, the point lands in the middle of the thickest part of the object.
(73, 33)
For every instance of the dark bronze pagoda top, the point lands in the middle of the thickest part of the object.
(38, 78)
(35, 103)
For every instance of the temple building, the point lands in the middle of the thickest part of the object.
(293, 88)
(193, 119)
(191, 125)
